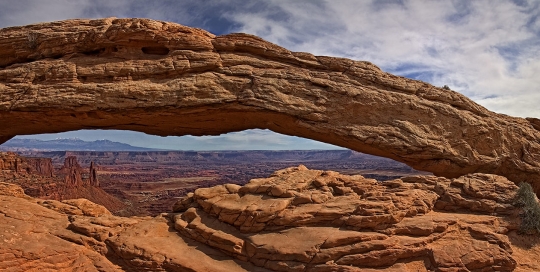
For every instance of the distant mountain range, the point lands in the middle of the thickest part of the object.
(67, 145)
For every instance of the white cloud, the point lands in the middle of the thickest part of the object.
(480, 48)
(24, 12)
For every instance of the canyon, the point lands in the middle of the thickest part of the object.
(167, 79)
(150, 182)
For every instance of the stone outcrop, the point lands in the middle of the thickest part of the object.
(166, 79)
(35, 238)
(36, 177)
(77, 235)
(93, 176)
(41, 166)
(72, 172)
(302, 219)
(296, 220)
(21, 165)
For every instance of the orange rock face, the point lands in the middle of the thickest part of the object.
(21, 165)
(93, 176)
(72, 172)
(295, 220)
(301, 219)
(166, 79)
(37, 177)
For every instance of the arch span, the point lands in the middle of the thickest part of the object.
(166, 79)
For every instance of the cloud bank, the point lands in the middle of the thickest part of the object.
(484, 49)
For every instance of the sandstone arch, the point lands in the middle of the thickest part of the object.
(167, 79)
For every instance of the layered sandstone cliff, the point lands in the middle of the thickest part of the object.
(38, 178)
(295, 220)
(13, 163)
(167, 79)
(72, 172)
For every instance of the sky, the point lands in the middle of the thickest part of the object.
(488, 50)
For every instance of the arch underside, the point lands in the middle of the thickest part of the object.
(167, 79)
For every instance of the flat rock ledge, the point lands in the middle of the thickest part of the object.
(295, 220)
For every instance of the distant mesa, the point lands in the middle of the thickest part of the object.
(67, 145)
(26, 166)
(71, 171)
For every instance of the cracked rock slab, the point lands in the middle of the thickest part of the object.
(361, 224)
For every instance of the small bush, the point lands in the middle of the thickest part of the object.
(446, 87)
(530, 217)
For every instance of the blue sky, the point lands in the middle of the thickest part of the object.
(487, 50)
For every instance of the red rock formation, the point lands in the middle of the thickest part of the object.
(36, 177)
(72, 172)
(166, 79)
(22, 165)
(308, 220)
(11, 162)
(93, 177)
(42, 166)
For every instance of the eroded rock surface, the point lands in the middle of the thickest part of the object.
(302, 219)
(10, 161)
(166, 79)
(34, 238)
(72, 172)
(295, 220)
(77, 235)
(38, 179)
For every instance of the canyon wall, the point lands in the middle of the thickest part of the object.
(93, 176)
(21, 165)
(72, 172)
(38, 178)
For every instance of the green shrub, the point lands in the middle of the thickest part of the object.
(446, 87)
(530, 217)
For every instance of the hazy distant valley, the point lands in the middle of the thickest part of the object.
(149, 182)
